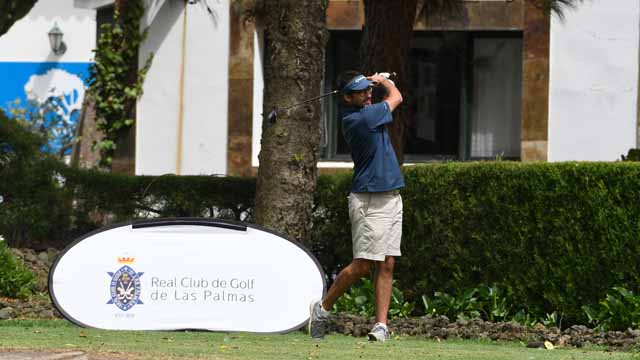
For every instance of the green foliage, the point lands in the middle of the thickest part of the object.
(16, 281)
(464, 306)
(556, 235)
(632, 155)
(45, 120)
(619, 310)
(493, 303)
(116, 82)
(361, 300)
(487, 302)
(44, 203)
(31, 204)
(490, 303)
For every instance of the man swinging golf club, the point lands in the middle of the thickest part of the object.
(375, 205)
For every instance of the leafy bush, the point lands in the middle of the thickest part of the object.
(102, 198)
(16, 281)
(44, 203)
(490, 303)
(619, 310)
(32, 205)
(557, 235)
(360, 300)
(632, 155)
(487, 302)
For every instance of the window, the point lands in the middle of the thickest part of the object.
(465, 97)
(104, 15)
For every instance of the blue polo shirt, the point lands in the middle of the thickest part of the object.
(376, 167)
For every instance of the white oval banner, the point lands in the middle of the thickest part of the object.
(172, 274)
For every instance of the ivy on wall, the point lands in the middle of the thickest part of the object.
(115, 80)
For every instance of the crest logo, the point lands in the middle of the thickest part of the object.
(125, 285)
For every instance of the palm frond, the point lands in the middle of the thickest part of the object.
(559, 6)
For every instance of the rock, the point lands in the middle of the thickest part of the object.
(563, 341)
(633, 332)
(539, 327)
(43, 257)
(441, 321)
(46, 314)
(29, 257)
(6, 313)
(17, 253)
(53, 253)
(536, 345)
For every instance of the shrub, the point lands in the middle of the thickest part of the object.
(619, 310)
(632, 155)
(32, 206)
(558, 235)
(44, 203)
(103, 198)
(360, 300)
(16, 281)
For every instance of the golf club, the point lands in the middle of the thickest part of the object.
(273, 114)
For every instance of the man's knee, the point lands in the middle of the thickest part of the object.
(386, 265)
(361, 267)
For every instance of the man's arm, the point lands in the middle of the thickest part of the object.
(394, 98)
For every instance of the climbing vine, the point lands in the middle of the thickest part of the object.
(115, 80)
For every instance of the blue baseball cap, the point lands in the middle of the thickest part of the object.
(358, 83)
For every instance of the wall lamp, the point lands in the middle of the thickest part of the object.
(55, 40)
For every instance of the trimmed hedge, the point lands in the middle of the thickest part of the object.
(557, 236)
(48, 204)
(102, 198)
(32, 206)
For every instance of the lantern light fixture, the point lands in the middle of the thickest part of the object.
(55, 40)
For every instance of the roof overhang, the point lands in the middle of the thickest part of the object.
(92, 4)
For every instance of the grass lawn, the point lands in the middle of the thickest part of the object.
(62, 335)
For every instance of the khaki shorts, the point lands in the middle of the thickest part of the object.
(376, 224)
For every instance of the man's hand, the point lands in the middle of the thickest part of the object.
(394, 98)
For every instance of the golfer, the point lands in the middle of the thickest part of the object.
(375, 205)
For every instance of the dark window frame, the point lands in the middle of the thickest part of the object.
(332, 132)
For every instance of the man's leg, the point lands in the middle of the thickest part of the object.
(383, 281)
(345, 279)
(320, 310)
(384, 285)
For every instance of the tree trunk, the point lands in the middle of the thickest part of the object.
(294, 41)
(385, 46)
(12, 11)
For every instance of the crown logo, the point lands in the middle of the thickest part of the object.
(126, 260)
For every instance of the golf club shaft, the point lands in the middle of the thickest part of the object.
(309, 100)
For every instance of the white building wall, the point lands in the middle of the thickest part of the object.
(27, 40)
(33, 78)
(258, 94)
(202, 149)
(594, 81)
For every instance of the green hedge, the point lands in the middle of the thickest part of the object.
(48, 204)
(32, 206)
(102, 198)
(558, 236)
